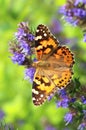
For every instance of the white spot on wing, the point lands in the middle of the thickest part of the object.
(37, 30)
(39, 47)
(38, 37)
(35, 92)
(33, 99)
(41, 95)
(45, 34)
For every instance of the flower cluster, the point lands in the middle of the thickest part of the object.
(74, 12)
(22, 49)
(76, 103)
(58, 30)
(74, 98)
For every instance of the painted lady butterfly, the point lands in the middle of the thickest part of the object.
(53, 68)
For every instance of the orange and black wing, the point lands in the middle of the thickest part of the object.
(43, 87)
(57, 76)
(45, 42)
(59, 72)
(61, 62)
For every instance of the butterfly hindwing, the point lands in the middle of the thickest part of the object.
(62, 53)
(61, 62)
(43, 87)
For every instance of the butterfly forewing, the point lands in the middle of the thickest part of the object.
(45, 42)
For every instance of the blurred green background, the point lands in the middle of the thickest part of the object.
(15, 92)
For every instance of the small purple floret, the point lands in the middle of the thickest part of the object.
(63, 103)
(29, 73)
(68, 118)
(18, 58)
(82, 126)
(83, 100)
(26, 49)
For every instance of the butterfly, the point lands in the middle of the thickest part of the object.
(53, 66)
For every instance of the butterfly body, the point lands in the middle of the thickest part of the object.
(53, 68)
(41, 64)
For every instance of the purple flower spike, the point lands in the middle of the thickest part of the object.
(30, 37)
(82, 126)
(63, 103)
(2, 114)
(62, 93)
(18, 58)
(50, 97)
(26, 49)
(71, 21)
(74, 13)
(68, 118)
(84, 39)
(24, 33)
(20, 34)
(59, 104)
(84, 111)
(83, 100)
(29, 73)
(79, 1)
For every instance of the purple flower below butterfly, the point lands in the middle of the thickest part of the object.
(84, 39)
(62, 93)
(68, 118)
(82, 126)
(63, 103)
(83, 99)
